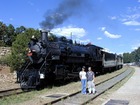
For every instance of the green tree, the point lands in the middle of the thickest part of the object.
(10, 30)
(20, 29)
(134, 56)
(19, 46)
(52, 37)
(10, 35)
(137, 55)
(127, 57)
(3, 32)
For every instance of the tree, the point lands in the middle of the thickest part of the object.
(127, 57)
(9, 37)
(134, 56)
(137, 55)
(52, 37)
(20, 29)
(19, 46)
(3, 30)
(10, 29)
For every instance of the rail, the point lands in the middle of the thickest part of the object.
(101, 87)
(16, 91)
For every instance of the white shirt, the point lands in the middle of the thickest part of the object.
(83, 75)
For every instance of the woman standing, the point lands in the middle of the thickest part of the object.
(83, 78)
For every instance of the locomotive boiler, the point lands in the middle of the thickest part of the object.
(60, 58)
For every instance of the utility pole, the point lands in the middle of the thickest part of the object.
(71, 35)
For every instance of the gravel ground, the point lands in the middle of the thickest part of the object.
(7, 79)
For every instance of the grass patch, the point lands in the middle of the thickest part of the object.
(21, 97)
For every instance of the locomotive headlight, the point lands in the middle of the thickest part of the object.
(42, 76)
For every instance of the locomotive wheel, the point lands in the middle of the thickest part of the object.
(27, 83)
(23, 85)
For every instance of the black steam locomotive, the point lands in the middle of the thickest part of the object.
(60, 58)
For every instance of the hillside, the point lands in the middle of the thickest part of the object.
(4, 51)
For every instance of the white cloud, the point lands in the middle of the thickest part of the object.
(138, 0)
(107, 50)
(99, 38)
(134, 47)
(113, 17)
(132, 23)
(132, 16)
(108, 34)
(11, 19)
(133, 10)
(137, 29)
(111, 35)
(68, 31)
(103, 28)
(82, 41)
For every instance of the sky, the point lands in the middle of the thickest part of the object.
(111, 24)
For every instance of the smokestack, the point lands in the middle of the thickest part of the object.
(44, 36)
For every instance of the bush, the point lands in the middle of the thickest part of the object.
(5, 60)
(2, 43)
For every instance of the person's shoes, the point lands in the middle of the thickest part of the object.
(95, 92)
(89, 93)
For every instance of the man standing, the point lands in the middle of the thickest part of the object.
(83, 78)
(90, 80)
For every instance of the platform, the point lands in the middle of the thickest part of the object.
(129, 93)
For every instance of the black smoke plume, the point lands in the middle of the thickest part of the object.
(65, 10)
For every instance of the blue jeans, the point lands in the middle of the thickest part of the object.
(84, 83)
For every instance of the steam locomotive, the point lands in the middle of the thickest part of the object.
(60, 58)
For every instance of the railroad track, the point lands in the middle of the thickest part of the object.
(10, 92)
(6, 93)
(15, 91)
(79, 99)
